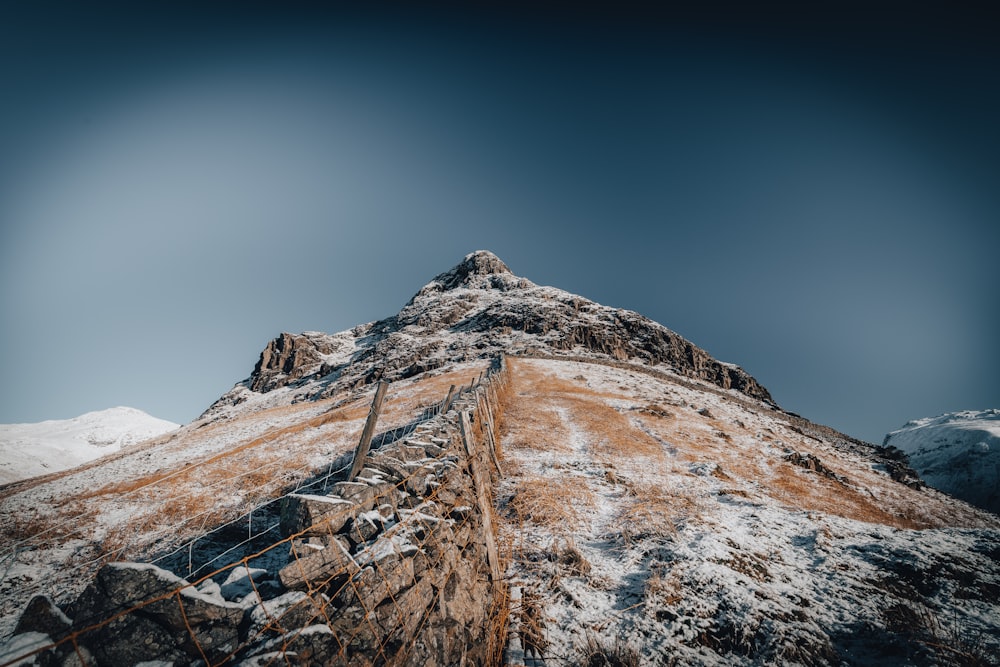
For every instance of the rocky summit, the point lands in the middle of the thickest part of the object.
(474, 311)
(499, 474)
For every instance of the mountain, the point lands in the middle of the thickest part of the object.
(957, 452)
(551, 481)
(473, 311)
(27, 450)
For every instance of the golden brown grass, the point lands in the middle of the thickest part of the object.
(611, 434)
(224, 464)
(556, 504)
(809, 491)
(538, 427)
(653, 511)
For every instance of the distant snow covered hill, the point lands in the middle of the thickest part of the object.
(957, 452)
(28, 450)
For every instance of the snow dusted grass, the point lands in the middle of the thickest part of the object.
(57, 530)
(653, 523)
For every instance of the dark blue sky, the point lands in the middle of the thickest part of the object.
(810, 194)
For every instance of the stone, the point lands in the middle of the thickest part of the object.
(399, 618)
(374, 583)
(363, 495)
(308, 514)
(42, 615)
(287, 358)
(288, 611)
(365, 526)
(318, 567)
(242, 581)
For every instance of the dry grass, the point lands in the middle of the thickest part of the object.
(223, 463)
(809, 491)
(42, 531)
(531, 425)
(611, 434)
(653, 511)
(663, 587)
(555, 504)
(530, 379)
(597, 652)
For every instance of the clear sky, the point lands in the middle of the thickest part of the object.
(814, 195)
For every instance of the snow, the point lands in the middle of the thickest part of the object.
(28, 450)
(746, 572)
(957, 452)
(21, 644)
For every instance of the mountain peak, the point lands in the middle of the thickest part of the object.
(475, 270)
(475, 310)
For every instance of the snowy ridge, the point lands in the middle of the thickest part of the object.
(957, 452)
(28, 450)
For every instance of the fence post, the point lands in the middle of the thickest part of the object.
(361, 453)
(447, 400)
(486, 415)
(482, 497)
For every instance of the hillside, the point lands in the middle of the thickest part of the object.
(28, 450)
(551, 480)
(957, 452)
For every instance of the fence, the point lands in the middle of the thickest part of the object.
(398, 567)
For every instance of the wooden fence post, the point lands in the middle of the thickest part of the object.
(361, 453)
(491, 439)
(482, 497)
(447, 400)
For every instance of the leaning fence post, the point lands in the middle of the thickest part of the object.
(447, 400)
(361, 453)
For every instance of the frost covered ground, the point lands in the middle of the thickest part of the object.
(650, 520)
(28, 450)
(957, 452)
(149, 499)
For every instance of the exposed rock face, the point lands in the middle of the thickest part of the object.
(288, 357)
(475, 310)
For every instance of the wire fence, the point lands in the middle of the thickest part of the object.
(395, 568)
(136, 536)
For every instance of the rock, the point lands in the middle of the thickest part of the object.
(43, 616)
(365, 526)
(312, 645)
(492, 311)
(287, 612)
(241, 582)
(318, 567)
(23, 643)
(374, 583)
(313, 515)
(399, 618)
(289, 357)
(170, 617)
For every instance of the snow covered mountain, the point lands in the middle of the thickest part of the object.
(27, 450)
(646, 505)
(957, 452)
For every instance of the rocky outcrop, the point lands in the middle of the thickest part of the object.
(476, 310)
(290, 357)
